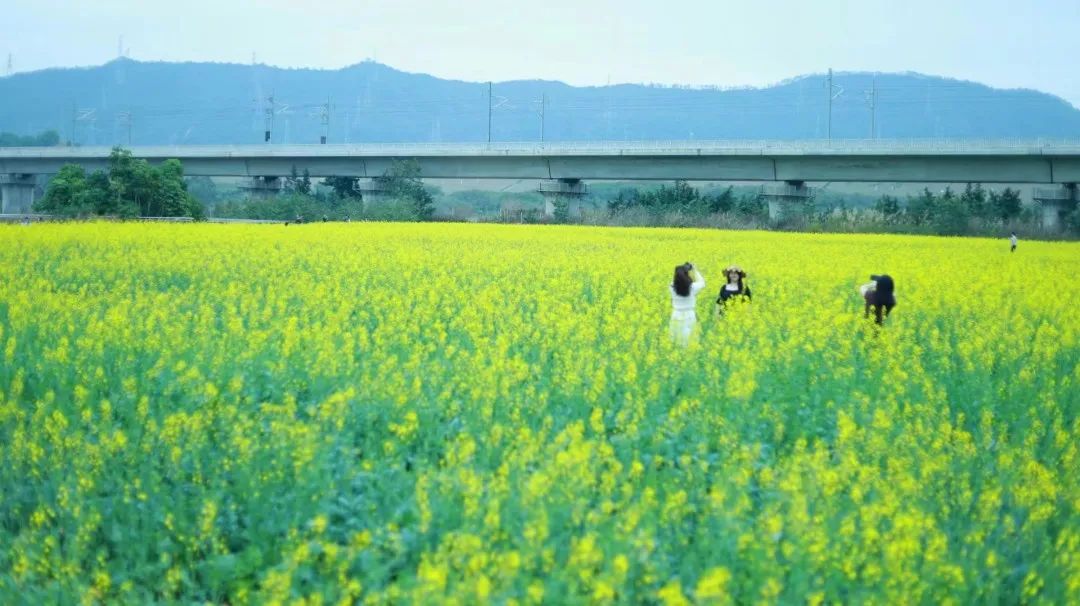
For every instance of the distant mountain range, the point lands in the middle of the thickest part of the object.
(201, 103)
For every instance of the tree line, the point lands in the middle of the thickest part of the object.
(400, 195)
(47, 138)
(129, 187)
(685, 199)
(973, 210)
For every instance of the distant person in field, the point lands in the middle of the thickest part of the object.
(684, 288)
(879, 297)
(736, 288)
(1012, 242)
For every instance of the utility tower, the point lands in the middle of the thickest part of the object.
(269, 111)
(87, 115)
(830, 94)
(543, 108)
(124, 119)
(324, 119)
(871, 102)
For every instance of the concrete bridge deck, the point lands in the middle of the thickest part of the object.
(943, 161)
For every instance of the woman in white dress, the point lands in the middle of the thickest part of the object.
(684, 288)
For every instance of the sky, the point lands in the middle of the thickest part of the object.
(1002, 43)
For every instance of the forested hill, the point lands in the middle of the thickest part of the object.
(192, 103)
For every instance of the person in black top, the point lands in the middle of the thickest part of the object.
(879, 296)
(736, 288)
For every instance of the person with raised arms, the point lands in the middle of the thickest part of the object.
(684, 288)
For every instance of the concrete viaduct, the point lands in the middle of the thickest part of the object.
(562, 168)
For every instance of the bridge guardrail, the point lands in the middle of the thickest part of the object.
(1037, 146)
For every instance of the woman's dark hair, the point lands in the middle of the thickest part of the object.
(883, 285)
(881, 300)
(682, 280)
(742, 276)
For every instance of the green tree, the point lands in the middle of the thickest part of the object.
(560, 209)
(722, 202)
(625, 199)
(402, 182)
(951, 215)
(303, 186)
(103, 198)
(131, 187)
(1005, 205)
(974, 201)
(889, 207)
(66, 193)
(922, 208)
(47, 138)
(290, 181)
(752, 206)
(344, 187)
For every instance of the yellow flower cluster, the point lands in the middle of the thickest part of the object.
(386, 413)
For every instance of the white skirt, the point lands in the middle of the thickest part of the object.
(682, 326)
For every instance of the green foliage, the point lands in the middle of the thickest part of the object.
(132, 187)
(920, 209)
(47, 138)
(951, 215)
(974, 201)
(560, 209)
(722, 202)
(752, 206)
(681, 197)
(1006, 204)
(290, 205)
(66, 193)
(344, 187)
(889, 207)
(300, 184)
(402, 182)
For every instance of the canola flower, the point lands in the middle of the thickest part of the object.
(384, 413)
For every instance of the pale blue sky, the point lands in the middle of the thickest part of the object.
(1003, 43)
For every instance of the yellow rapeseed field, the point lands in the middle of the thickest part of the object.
(390, 413)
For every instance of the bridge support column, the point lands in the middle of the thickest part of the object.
(1054, 202)
(262, 187)
(787, 199)
(17, 193)
(557, 192)
(372, 190)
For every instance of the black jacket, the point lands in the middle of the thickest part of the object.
(726, 294)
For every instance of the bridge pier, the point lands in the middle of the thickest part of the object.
(372, 189)
(17, 193)
(1054, 202)
(262, 187)
(560, 191)
(787, 199)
